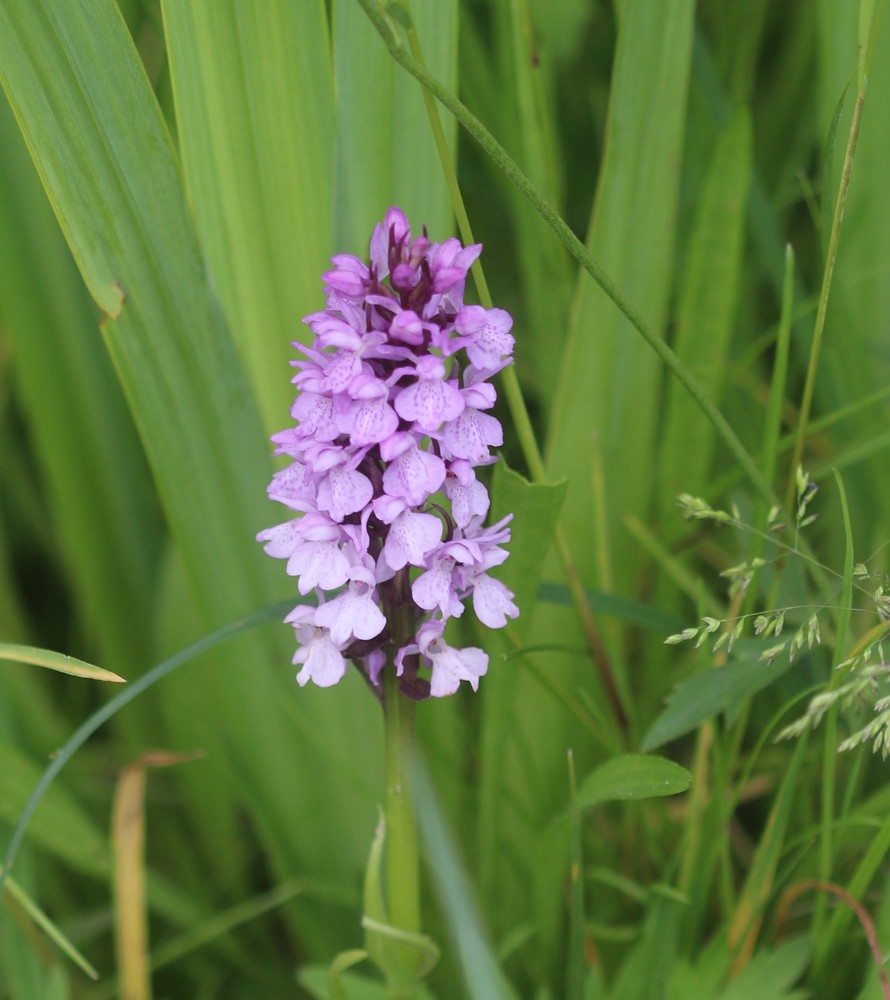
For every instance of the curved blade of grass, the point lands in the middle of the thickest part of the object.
(57, 661)
(48, 927)
(100, 717)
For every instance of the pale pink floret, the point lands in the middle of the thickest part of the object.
(413, 476)
(323, 663)
(469, 498)
(431, 400)
(354, 614)
(449, 666)
(411, 537)
(492, 601)
(486, 335)
(434, 590)
(344, 492)
(471, 435)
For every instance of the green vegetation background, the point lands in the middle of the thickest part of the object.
(196, 166)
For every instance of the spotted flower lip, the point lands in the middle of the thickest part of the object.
(392, 417)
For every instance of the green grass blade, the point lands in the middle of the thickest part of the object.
(706, 313)
(100, 717)
(482, 977)
(126, 222)
(609, 378)
(385, 153)
(745, 923)
(49, 928)
(56, 661)
(102, 511)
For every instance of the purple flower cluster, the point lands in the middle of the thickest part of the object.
(391, 420)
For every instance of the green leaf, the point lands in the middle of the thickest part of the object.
(645, 969)
(110, 171)
(535, 508)
(609, 379)
(56, 661)
(314, 979)
(770, 974)
(80, 95)
(745, 922)
(705, 695)
(632, 776)
(345, 960)
(616, 605)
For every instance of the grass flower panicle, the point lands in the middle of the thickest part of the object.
(392, 419)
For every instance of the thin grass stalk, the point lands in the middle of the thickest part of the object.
(830, 741)
(822, 309)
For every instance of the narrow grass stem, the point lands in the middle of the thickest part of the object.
(822, 309)
(522, 424)
(387, 31)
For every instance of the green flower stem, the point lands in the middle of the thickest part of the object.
(402, 842)
(387, 30)
(516, 403)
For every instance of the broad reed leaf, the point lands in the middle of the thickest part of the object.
(609, 376)
(254, 104)
(109, 169)
(630, 777)
(105, 527)
(56, 661)
(509, 80)
(385, 153)
(707, 308)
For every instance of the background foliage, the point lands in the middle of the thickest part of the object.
(173, 180)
